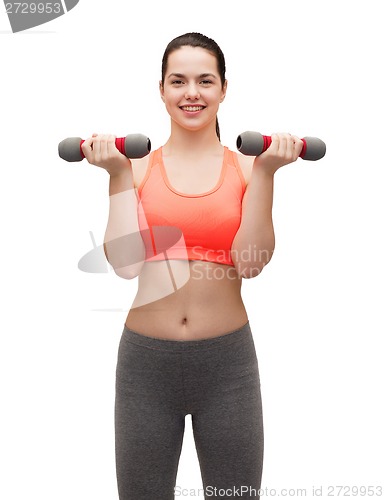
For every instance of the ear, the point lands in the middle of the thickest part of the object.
(161, 88)
(224, 90)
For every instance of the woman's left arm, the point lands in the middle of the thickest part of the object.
(254, 242)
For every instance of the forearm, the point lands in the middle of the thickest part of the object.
(254, 242)
(123, 245)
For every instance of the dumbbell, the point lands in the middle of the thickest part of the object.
(253, 144)
(132, 146)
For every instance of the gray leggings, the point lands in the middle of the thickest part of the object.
(158, 383)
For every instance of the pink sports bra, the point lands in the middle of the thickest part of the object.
(202, 226)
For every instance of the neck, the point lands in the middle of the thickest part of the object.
(192, 143)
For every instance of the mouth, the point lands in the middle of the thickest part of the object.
(192, 109)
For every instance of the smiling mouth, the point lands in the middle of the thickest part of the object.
(192, 108)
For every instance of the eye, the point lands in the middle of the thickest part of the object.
(206, 82)
(177, 82)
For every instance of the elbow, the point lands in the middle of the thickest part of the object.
(248, 272)
(121, 267)
(251, 268)
(128, 272)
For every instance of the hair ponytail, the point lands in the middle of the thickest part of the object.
(217, 128)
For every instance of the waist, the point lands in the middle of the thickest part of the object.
(200, 299)
(172, 283)
(226, 339)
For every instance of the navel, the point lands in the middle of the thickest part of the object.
(184, 321)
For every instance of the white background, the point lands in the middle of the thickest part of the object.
(316, 311)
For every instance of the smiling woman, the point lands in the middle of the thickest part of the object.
(195, 40)
(186, 346)
(197, 94)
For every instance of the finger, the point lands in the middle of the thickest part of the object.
(100, 146)
(283, 144)
(111, 145)
(104, 146)
(275, 142)
(86, 147)
(298, 146)
(290, 146)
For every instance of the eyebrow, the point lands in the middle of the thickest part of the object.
(180, 75)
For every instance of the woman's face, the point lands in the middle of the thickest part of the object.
(192, 90)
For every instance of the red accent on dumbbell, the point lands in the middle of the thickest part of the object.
(81, 150)
(120, 144)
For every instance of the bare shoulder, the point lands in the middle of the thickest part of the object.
(246, 164)
(139, 169)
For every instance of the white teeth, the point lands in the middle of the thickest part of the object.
(192, 108)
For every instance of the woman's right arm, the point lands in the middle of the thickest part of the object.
(123, 245)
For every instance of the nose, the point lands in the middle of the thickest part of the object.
(192, 92)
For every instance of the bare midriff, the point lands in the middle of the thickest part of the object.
(187, 300)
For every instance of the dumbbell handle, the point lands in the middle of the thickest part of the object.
(253, 144)
(132, 146)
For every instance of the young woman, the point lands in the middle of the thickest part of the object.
(187, 346)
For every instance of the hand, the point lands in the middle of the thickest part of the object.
(101, 150)
(284, 149)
